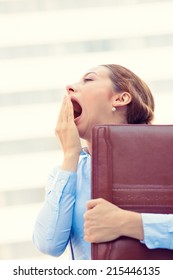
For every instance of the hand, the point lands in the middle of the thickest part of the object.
(105, 221)
(100, 219)
(67, 133)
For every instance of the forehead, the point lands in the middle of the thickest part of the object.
(100, 71)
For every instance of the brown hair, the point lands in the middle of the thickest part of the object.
(141, 109)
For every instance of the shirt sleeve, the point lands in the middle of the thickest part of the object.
(53, 224)
(158, 230)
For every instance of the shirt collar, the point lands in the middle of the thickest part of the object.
(85, 152)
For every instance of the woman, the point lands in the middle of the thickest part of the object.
(107, 94)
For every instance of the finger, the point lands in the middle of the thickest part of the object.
(67, 113)
(65, 110)
(87, 238)
(93, 203)
(61, 110)
(70, 115)
(61, 117)
(86, 232)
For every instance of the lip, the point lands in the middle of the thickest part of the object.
(74, 99)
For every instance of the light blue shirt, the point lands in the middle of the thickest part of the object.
(60, 221)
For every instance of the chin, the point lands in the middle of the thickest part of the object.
(82, 133)
(85, 133)
(81, 130)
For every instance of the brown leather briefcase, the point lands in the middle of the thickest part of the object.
(132, 167)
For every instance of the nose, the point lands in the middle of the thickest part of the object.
(71, 89)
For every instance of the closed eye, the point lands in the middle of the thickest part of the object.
(88, 80)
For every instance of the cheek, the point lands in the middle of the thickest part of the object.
(90, 106)
(97, 103)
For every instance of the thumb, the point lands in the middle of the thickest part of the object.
(92, 203)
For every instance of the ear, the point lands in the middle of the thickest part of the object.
(121, 99)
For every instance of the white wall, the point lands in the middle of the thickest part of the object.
(40, 52)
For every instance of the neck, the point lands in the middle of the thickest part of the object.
(89, 147)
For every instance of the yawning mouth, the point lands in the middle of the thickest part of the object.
(77, 109)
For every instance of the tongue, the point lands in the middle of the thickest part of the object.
(77, 109)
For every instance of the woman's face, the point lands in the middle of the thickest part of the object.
(92, 99)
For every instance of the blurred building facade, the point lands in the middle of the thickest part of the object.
(44, 45)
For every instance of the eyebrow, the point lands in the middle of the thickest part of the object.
(90, 73)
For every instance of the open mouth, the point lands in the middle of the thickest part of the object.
(77, 109)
